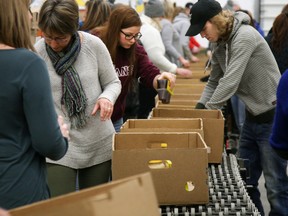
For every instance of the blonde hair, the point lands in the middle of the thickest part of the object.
(15, 26)
(177, 10)
(224, 23)
(168, 9)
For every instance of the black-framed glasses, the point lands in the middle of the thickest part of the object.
(130, 37)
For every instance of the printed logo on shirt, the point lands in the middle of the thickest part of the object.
(123, 71)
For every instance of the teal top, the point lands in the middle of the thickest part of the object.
(29, 130)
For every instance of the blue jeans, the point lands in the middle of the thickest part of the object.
(239, 111)
(117, 124)
(254, 146)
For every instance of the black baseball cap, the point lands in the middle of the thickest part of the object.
(201, 12)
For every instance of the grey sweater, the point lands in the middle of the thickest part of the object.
(171, 41)
(92, 144)
(243, 65)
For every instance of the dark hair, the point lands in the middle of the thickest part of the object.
(59, 16)
(123, 16)
(280, 31)
(285, 9)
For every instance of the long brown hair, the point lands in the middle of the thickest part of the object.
(98, 12)
(280, 31)
(15, 26)
(122, 17)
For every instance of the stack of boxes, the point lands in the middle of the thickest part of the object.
(176, 144)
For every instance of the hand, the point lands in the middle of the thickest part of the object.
(184, 62)
(4, 212)
(200, 106)
(63, 127)
(194, 59)
(169, 76)
(106, 108)
(185, 73)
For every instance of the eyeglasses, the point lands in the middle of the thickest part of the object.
(58, 40)
(130, 37)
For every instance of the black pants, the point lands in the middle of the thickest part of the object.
(146, 101)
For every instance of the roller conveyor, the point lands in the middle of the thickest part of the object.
(227, 193)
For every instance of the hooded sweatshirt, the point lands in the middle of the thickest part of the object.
(181, 24)
(243, 65)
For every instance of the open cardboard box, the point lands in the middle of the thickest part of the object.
(213, 124)
(163, 125)
(177, 104)
(185, 97)
(189, 81)
(188, 88)
(178, 163)
(130, 196)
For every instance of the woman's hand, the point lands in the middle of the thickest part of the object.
(63, 127)
(184, 62)
(183, 72)
(106, 108)
(165, 75)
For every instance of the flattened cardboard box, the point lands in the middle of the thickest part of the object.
(163, 125)
(130, 196)
(213, 124)
(179, 169)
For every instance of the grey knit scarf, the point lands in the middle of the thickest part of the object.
(73, 95)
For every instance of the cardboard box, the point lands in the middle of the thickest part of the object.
(185, 97)
(178, 163)
(189, 88)
(163, 125)
(130, 196)
(213, 124)
(178, 98)
(189, 81)
(177, 104)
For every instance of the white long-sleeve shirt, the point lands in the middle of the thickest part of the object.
(153, 45)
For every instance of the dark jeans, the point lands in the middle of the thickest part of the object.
(255, 146)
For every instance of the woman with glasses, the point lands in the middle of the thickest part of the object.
(29, 130)
(85, 88)
(121, 35)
